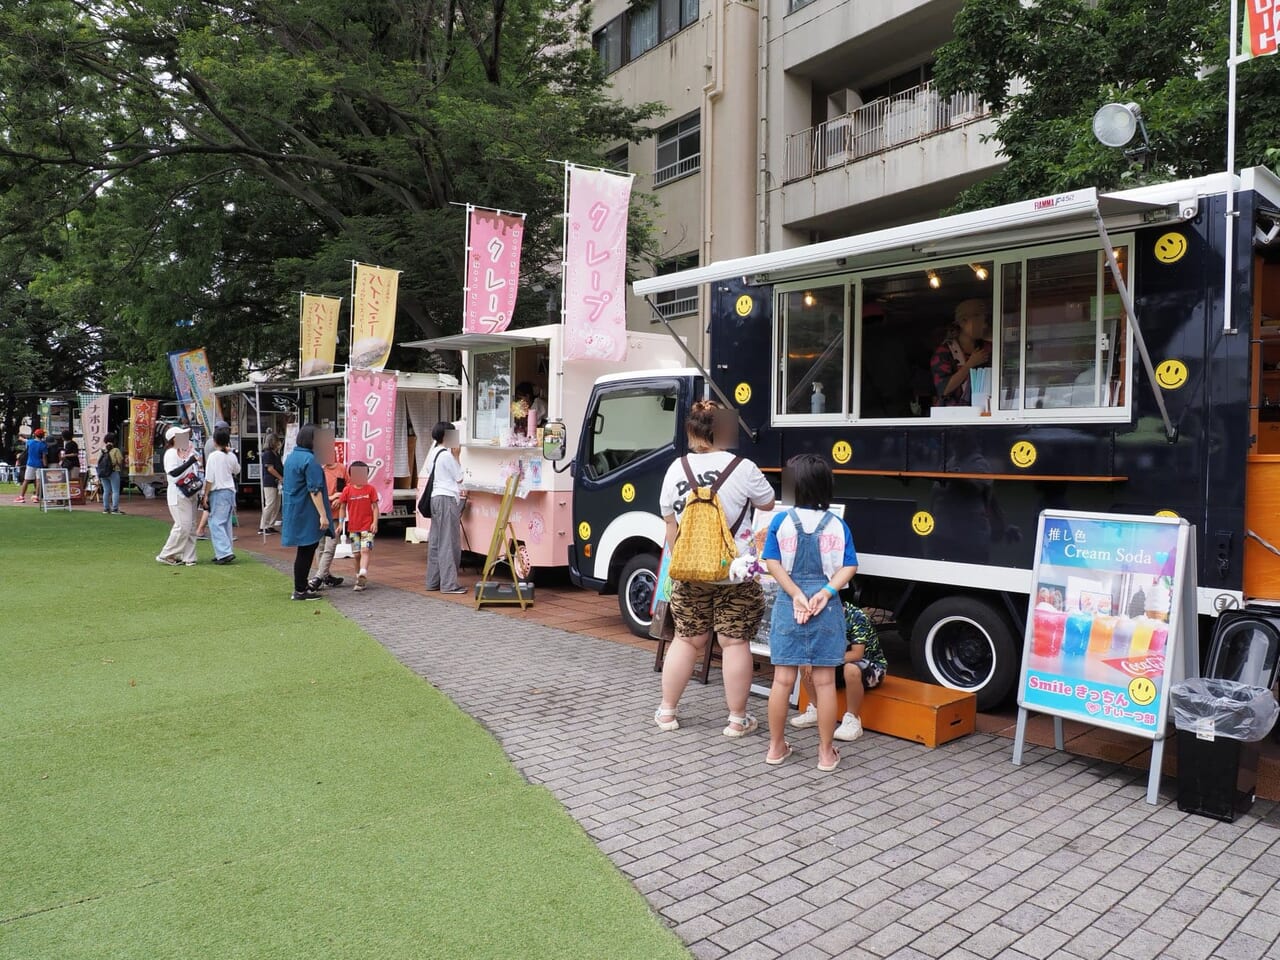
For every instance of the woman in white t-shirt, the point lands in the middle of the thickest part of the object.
(444, 544)
(220, 494)
(732, 610)
(182, 470)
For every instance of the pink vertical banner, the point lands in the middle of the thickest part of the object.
(595, 265)
(93, 424)
(493, 269)
(371, 428)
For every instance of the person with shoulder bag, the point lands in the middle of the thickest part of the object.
(109, 468)
(712, 491)
(182, 467)
(443, 494)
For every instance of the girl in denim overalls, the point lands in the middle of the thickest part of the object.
(812, 560)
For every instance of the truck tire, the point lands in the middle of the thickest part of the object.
(635, 592)
(966, 644)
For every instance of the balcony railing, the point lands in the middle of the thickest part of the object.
(674, 171)
(684, 303)
(879, 126)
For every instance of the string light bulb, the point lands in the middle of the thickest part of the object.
(979, 271)
(934, 281)
(809, 298)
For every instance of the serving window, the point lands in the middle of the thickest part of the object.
(812, 351)
(1037, 333)
(508, 396)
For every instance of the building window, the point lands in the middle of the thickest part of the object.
(794, 5)
(618, 159)
(640, 29)
(811, 351)
(679, 146)
(607, 43)
(683, 301)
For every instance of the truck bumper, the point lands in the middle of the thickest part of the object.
(578, 578)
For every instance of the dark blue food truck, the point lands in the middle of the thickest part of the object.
(963, 374)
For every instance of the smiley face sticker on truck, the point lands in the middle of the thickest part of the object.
(628, 494)
(1171, 374)
(742, 393)
(584, 530)
(1171, 247)
(744, 305)
(842, 452)
(922, 523)
(1023, 454)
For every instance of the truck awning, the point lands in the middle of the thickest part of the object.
(1028, 221)
(474, 341)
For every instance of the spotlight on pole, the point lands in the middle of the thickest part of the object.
(1115, 124)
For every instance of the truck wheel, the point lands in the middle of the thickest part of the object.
(635, 592)
(965, 644)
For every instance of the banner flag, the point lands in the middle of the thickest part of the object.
(493, 269)
(318, 334)
(595, 268)
(371, 428)
(181, 385)
(142, 435)
(93, 425)
(373, 316)
(1261, 28)
(193, 367)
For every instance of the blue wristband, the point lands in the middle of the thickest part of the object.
(831, 590)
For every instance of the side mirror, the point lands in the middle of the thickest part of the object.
(554, 441)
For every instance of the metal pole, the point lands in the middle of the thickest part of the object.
(262, 500)
(466, 267)
(1228, 247)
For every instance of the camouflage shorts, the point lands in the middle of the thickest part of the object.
(732, 610)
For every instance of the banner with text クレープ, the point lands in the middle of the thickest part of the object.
(371, 426)
(493, 270)
(595, 265)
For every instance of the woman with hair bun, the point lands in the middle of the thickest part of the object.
(733, 610)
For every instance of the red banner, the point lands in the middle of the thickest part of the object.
(595, 269)
(142, 434)
(371, 429)
(1261, 27)
(493, 270)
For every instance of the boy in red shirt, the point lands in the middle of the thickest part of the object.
(358, 505)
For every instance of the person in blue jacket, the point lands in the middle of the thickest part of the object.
(306, 514)
(36, 451)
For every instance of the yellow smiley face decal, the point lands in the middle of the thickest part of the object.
(1142, 691)
(922, 523)
(628, 494)
(841, 452)
(742, 393)
(1023, 454)
(584, 530)
(1171, 374)
(1167, 513)
(744, 305)
(1171, 248)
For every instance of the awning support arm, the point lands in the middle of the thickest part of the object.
(1170, 432)
(706, 377)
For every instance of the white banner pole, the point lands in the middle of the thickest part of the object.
(1228, 257)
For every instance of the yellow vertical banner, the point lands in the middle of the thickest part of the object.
(373, 316)
(318, 334)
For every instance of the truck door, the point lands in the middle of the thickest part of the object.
(629, 438)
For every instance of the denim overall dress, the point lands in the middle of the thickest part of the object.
(820, 642)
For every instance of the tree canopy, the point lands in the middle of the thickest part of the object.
(173, 173)
(1046, 67)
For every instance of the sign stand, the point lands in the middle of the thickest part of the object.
(502, 549)
(55, 487)
(1112, 625)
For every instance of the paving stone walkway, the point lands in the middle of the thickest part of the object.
(904, 852)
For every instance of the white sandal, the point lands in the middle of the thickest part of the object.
(748, 723)
(670, 723)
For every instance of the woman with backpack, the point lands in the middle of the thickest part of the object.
(110, 462)
(699, 606)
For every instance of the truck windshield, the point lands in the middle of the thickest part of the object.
(627, 424)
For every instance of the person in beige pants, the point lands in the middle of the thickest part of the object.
(272, 475)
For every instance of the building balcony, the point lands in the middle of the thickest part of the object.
(888, 124)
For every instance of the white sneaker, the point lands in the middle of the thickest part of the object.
(807, 719)
(850, 728)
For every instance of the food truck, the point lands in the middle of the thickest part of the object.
(254, 408)
(501, 437)
(1124, 377)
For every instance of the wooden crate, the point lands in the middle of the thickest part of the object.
(923, 712)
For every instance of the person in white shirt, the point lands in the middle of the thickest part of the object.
(444, 545)
(220, 491)
(182, 469)
(732, 610)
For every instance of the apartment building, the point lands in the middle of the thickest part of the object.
(699, 57)
(855, 134)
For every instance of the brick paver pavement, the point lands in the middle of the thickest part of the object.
(904, 852)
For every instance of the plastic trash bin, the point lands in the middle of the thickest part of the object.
(1219, 723)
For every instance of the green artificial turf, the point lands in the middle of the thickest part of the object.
(194, 766)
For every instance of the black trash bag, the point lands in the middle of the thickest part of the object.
(1223, 708)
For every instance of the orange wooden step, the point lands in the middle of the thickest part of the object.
(923, 712)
